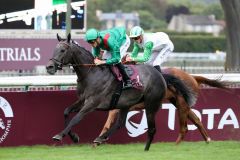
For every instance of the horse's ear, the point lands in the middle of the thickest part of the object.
(69, 37)
(59, 38)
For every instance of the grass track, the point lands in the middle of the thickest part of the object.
(217, 150)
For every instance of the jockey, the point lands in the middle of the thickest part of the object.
(156, 47)
(115, 42)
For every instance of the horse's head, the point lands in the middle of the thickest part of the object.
(2, 124)
(62, 55)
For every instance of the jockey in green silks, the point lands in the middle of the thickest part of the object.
(156, 47)
(115, 42)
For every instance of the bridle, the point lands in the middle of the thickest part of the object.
(60, 64)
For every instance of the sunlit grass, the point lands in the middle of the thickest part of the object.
(218, 150)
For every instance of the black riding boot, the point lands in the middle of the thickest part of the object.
(127, 81)
(158, 68)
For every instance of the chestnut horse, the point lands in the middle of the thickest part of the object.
(184, 111)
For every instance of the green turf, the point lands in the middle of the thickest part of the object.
(217, 150)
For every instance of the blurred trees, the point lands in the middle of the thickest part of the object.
(214, 9)
(152, 11)
(232, 16)
(154, 14)
(92, 21)
(201, 7)
(175, 10)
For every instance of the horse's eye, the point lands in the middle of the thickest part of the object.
(62, 50)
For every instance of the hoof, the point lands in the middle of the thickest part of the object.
(94, 145)
(57, 137)
(74, 137)
(208, 140)
(178, 142)
(146, 149)
(99, 140)
(179, 139)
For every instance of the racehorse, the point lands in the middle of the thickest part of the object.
(93, 80)
(184, 111)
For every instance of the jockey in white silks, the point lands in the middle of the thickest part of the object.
(156, 47)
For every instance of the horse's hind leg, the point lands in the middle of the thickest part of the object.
(150, 114)
(196, 121)
(112, 117)
(121, 120)
(183, 111)
(151, 106)
(112, 114)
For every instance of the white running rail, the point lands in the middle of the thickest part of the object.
(68, 80)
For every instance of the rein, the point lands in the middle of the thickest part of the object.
(83, 65)
(74, 65)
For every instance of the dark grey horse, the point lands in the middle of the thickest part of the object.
(96, 85)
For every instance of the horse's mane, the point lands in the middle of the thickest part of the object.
(83, 50)
(87, 53)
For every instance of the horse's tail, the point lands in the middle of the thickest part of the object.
(211, 82)
(181, 88)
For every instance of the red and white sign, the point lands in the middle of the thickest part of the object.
(36, 116)
(16, 54)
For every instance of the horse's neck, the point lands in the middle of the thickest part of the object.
(83, 68)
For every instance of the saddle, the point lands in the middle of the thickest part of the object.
(133, 74)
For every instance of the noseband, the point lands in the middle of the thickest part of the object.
(59, 63)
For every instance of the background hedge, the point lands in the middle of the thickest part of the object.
(196, 43)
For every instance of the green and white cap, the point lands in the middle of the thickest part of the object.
(136, 31)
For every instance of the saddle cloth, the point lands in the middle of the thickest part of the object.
(132, 73)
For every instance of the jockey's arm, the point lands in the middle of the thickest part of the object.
(96, 51)
(146, 53)
(135, 50)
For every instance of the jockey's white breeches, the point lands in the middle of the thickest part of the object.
(158, 57)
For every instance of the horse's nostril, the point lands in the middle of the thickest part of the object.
(49, 67)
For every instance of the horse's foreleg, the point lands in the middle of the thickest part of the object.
(73, 108)
(196, 121)
(121, 120)
(75, 120)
